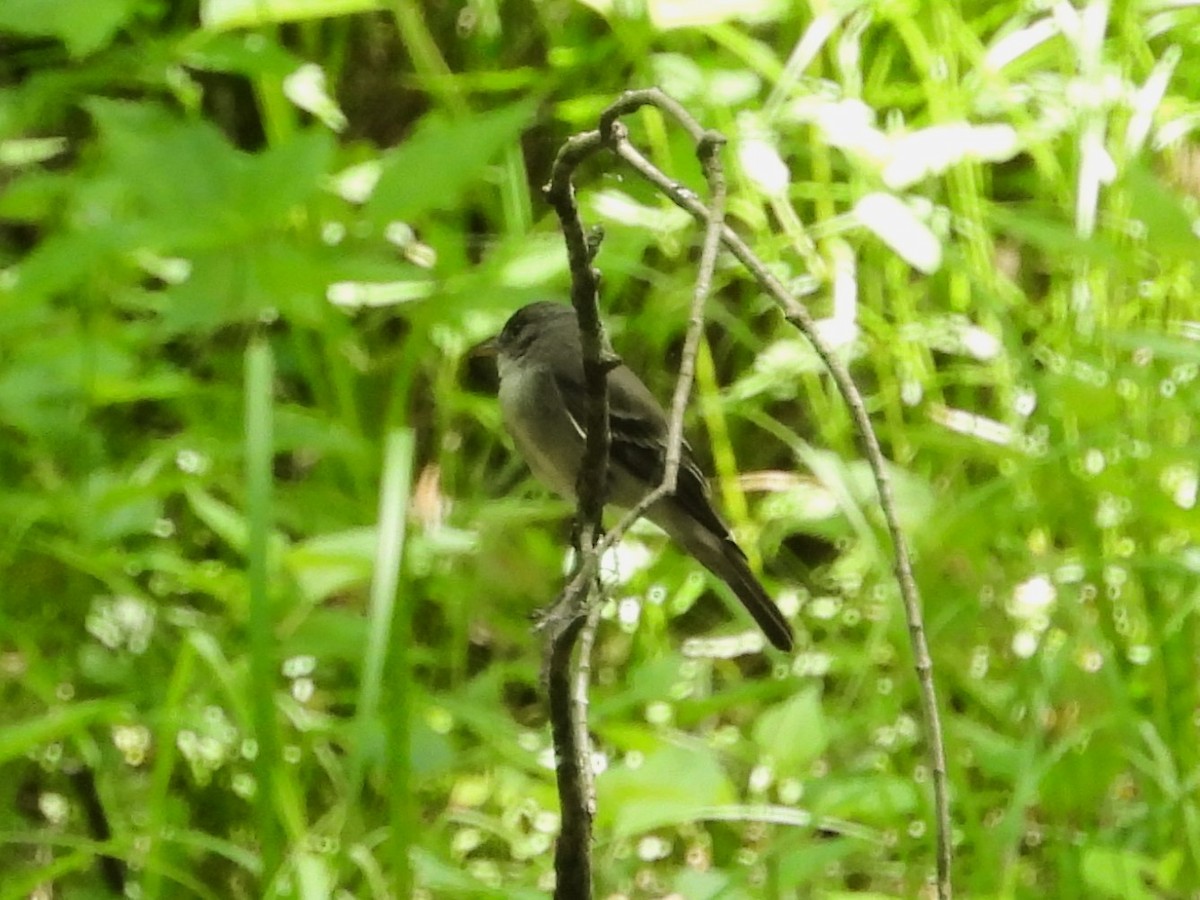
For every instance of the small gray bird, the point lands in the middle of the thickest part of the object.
(543, 400)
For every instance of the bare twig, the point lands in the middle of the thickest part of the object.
(568, 716)
(573, 852)
(799, 317)
(585, 290)
(581, 703)
(707, 150)
(569, 724)
(566, 621)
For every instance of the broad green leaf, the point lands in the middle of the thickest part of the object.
(314, 877)
(1169, 227)
(175, 185)
(866, 798)
(50, 372)
(61, 262)
(329, 633)
(1118, 873)
(115, 506)
(437, 164)
(278, 275)
(853, 486)
(83, 25)
(674, 784)
(805, 863)
(702, 885)
(669, 14)
(243, 54)
(34, 195)
(794, 733)
(446, 878)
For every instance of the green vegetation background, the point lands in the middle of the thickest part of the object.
(191, 252)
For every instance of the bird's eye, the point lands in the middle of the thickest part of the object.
(514, 330)
(509, 332)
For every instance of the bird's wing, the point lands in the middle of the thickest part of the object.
(638, 426)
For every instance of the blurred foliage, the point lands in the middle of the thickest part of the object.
(992, 207)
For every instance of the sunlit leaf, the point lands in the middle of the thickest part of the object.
(441, 160)
(83, 25)
(793, 734)
(652, 795)
(871, 798)
(896, 225)
(181, 186)
(223, 14)
(669, 14)
(227, 522)
(1169, 227)
(1051, 232)
(327, 564)
(1115, 872)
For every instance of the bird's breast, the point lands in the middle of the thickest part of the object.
(545, 434)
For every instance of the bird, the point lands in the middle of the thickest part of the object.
(543, 404)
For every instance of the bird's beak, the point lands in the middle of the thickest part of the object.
(484, 348)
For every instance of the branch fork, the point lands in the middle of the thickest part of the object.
(572, 618)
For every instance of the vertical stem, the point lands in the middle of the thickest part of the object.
(259, 379)
(385, 612)
(568, 722)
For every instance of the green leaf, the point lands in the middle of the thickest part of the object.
(1118, 873)
(803, 864)
(866, 798)
(234, 54)
(241, 283)
(636, 800)
(82, 25)
(331, 634)
(1169, 227)
(450, 879)
(702, 885)
(228, 523)
(223, 519)
(224, 14)
(19, 738)
(175, 185)
(314, 876)
(34, 196)
(50, 374)
(794, 733)
(1050, 232)
(115, 506)
(996, 755)
(433, 169)
(59, 263)
(327, 564)
(1167, 346)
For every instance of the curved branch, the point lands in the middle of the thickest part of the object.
(572, 862)
(567, 618)
(801, 319)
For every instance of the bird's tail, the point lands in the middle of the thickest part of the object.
(725, 559)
